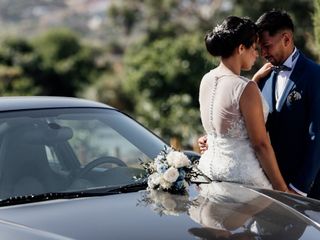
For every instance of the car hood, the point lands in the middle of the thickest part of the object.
(208, 211)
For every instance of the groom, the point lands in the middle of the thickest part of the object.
(293, 93)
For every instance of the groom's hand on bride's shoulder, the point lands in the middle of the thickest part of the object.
(203, 145)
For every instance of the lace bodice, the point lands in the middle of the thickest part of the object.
(219, 98)
(230, 156)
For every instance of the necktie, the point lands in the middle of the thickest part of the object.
(276, 71)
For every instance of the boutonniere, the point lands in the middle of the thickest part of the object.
(293, 96)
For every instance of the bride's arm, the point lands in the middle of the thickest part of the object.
(262, 72)
(251, 109)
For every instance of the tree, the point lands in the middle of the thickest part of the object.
(17, 58)
(65, 66)
(163, 18)
(110, 89)
(125, 14)
(54, 64)
(316, 24)
(164, 79)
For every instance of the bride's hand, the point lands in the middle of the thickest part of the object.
(202, 143)
(290, 190)
(262, 72)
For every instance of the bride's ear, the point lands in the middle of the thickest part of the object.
(241, 49)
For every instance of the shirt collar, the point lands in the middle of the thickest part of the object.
(292, 59)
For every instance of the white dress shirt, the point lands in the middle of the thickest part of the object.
(283, 76)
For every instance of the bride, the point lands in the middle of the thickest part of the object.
(233, 112)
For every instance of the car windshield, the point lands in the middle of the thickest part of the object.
(71, 149)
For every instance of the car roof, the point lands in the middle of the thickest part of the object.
(41, 102)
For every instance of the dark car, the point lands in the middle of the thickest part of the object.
(71, 169)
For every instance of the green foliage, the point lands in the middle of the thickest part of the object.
(316, 24)
(12, 82)
(17, 52)
(163, 79)
(65, 65)
(16, 56)
(110, 90)
(154, 20)
(166, 67)
(56, 45)
(125, 15)
(173, 117)
(55, 64)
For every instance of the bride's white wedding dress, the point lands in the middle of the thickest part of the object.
(230, 156)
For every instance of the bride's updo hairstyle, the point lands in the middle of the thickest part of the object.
(233, 31)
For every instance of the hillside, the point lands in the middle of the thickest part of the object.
(30, 17)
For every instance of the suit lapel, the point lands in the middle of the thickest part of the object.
(289, 86)
(294, 78)
(268, 93)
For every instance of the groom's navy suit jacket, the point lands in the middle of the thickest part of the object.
(294, 127)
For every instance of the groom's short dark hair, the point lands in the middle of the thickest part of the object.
(274, 21)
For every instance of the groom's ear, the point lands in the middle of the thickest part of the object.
(287, 38)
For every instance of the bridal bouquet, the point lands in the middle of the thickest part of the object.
(170, 171)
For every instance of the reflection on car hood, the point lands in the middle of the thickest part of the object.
(208, 211)
(10, 230)
(308, 207)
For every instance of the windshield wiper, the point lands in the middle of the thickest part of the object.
(134, 187)
(16, 200)
(99, 191)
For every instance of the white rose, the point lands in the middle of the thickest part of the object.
(170, 158)
(182, 161)
(171, 175)
(177, 159)
(165, 184)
